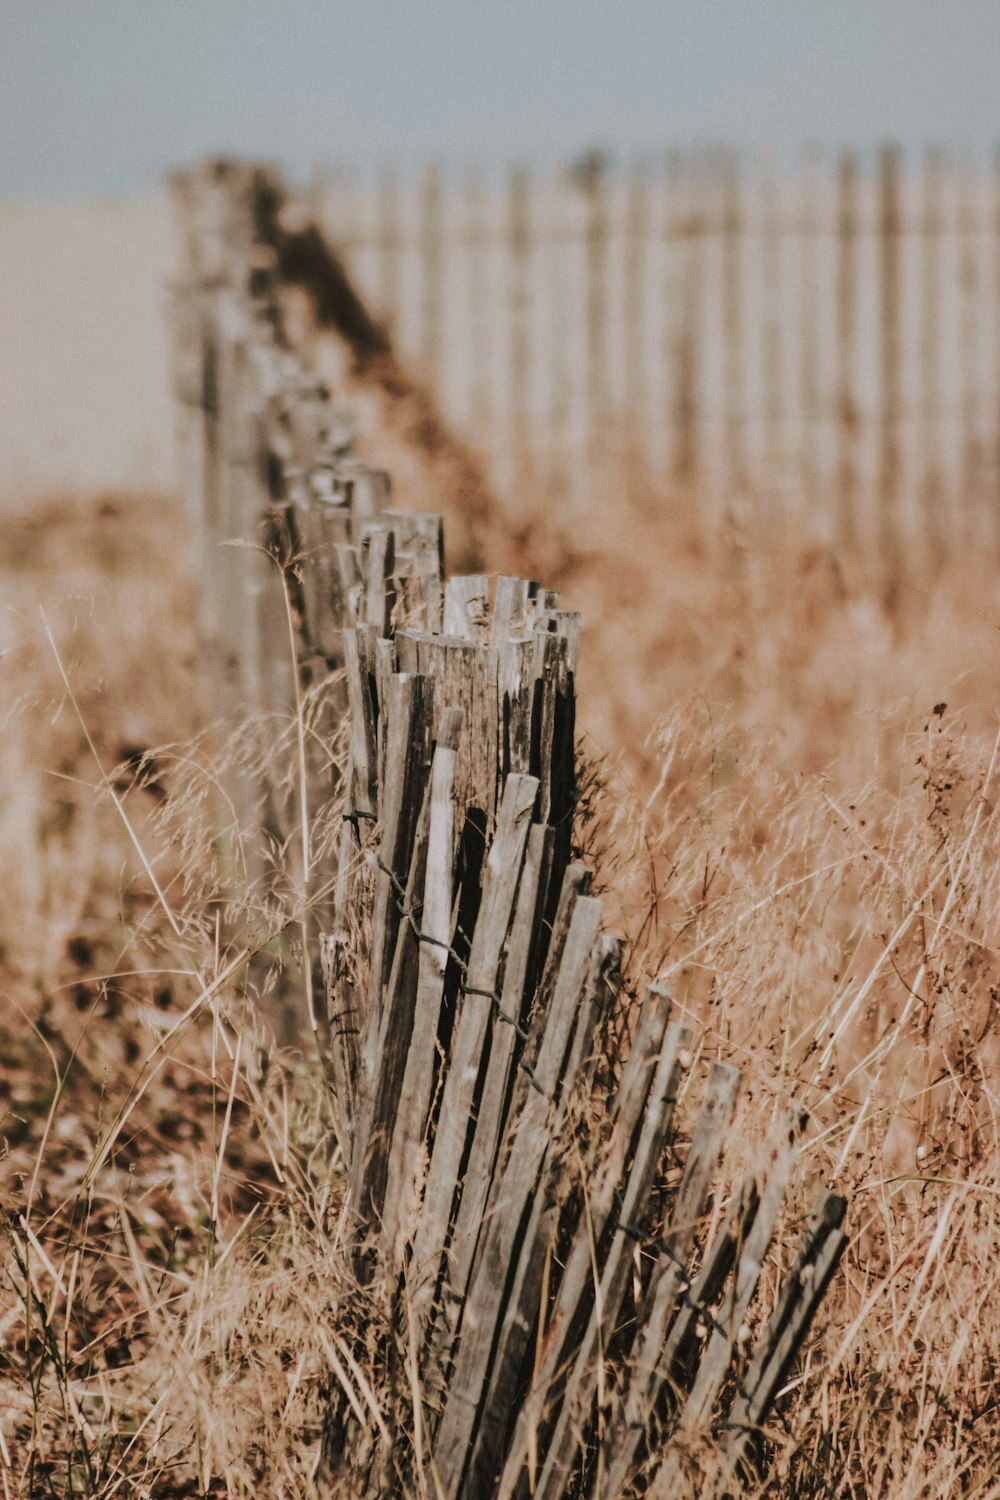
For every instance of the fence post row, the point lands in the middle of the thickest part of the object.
(510, 1221)
(728, 325)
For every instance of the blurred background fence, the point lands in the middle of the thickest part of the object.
(823, 341)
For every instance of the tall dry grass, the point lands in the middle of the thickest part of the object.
(792, 808)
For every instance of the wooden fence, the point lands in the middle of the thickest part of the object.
(824, 342)
(552, 1261)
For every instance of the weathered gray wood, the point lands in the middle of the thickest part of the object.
(515, 702)
(522, 1311)
(473, 1026)
(515, 1186)
(644, 1104)
(344, 1031)
(547, 737)
(574, 883)
(463, 674)
(419, 570)
(351, 583)
(466, 606)
(324, 527)
(504, 1046)
(581, 1387)
(363, 489)
(690, 1322)
(370, 1166)
(509, 619)
(359, 658)
(378, 565)
(436, 923)
(386, 666)
(407, 758)
(568, 625)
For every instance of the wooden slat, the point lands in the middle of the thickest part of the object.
(378, 565)
(574, 884)
(473, 1027)
(436, 920)
(370, 1162)
(722, 1339)
(537, 1209)
(552, 729)
(344, 1030)
(571, 1299)
(514, 1191)
(807, 1281)
(359, 659)
(660, 1303)
(515, 703)
(582, 1385)
(407, 756)
(324, 527)
(350, 583)
(505, 1046)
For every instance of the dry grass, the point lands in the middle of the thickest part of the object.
(794, 839)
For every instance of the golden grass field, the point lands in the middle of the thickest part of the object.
(793, 811)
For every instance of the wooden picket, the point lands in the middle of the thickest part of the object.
(563, 1316)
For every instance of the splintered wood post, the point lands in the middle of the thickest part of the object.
(889, 226)
(849, 417)
(466, 606)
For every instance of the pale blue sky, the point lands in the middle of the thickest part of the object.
(100, 96)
